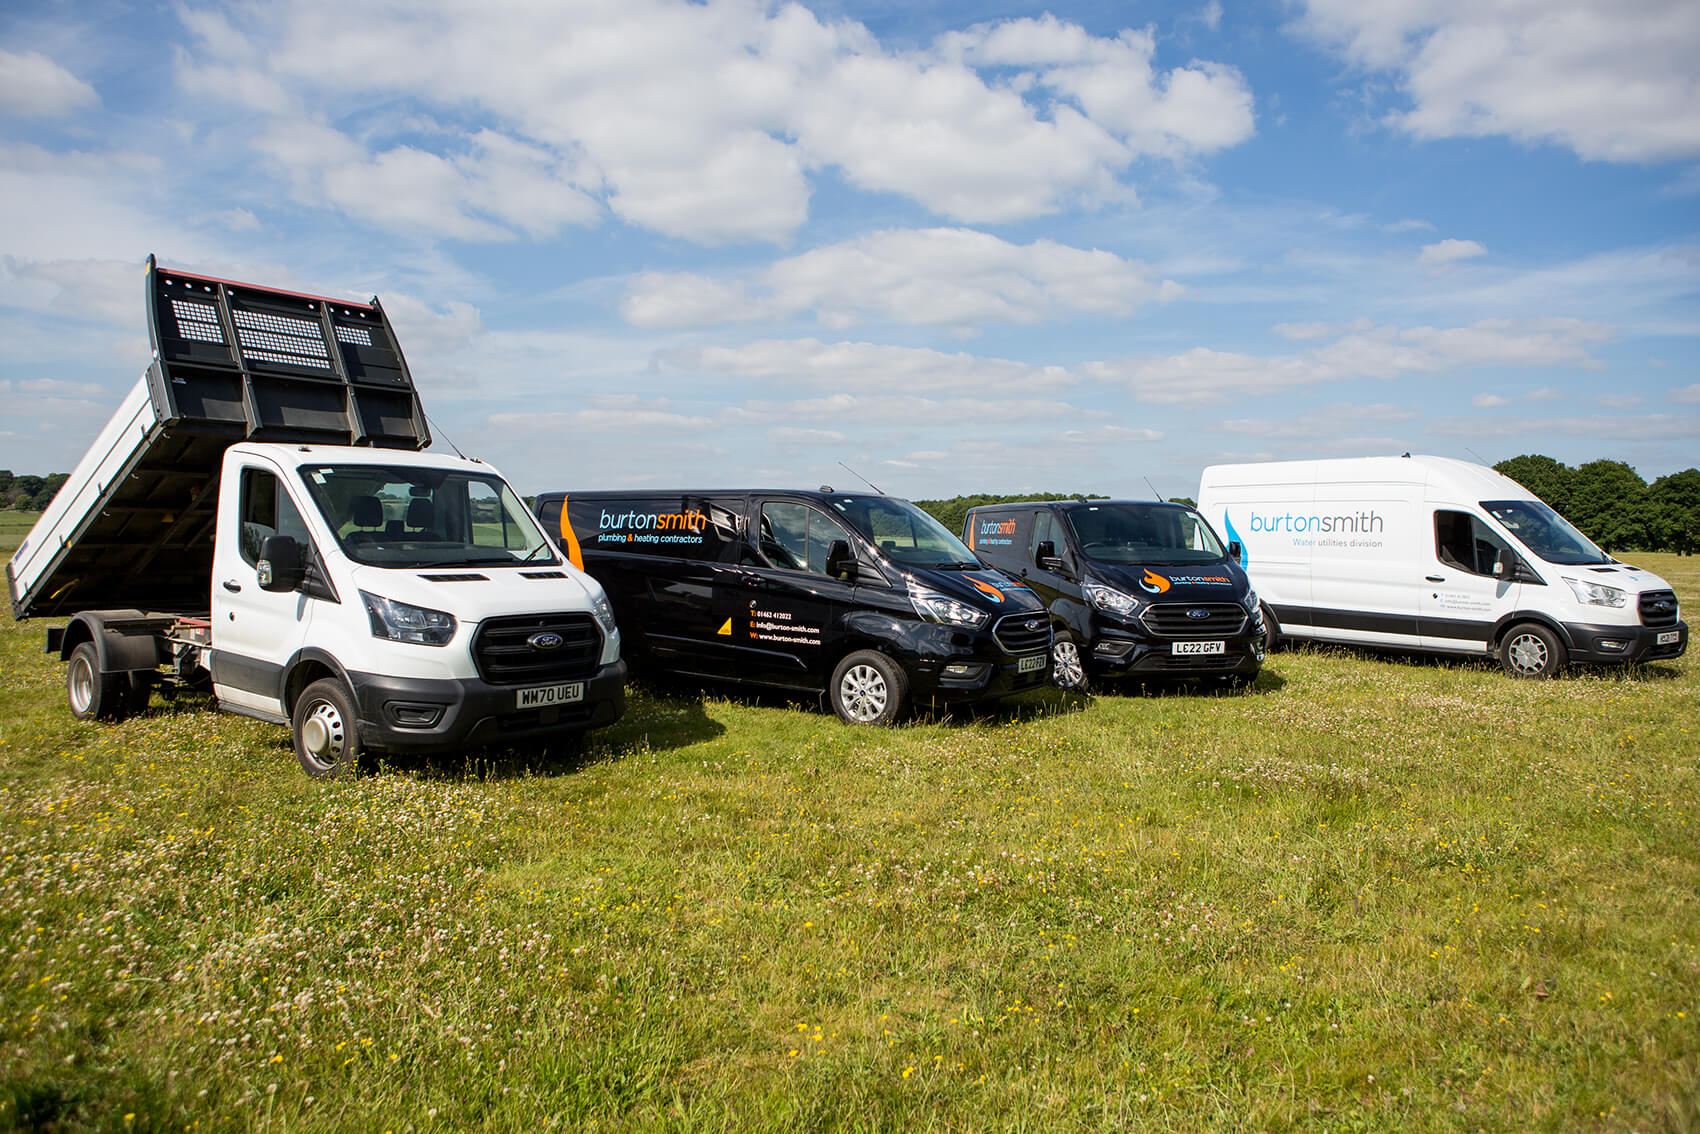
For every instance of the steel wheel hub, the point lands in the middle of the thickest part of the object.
(323, 734)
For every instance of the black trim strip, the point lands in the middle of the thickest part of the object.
(251, 675)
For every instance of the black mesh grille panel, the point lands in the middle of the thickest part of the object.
(506, 651)
(1179, 620)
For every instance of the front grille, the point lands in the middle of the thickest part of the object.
(1014, 634)
(1658, 608)
(504, 656)
(1171, 620)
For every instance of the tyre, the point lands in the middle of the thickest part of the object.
(94, 695)
(868, 688)
(1271, 629)
(1068, 667)
(1531, 650)
(327, 732)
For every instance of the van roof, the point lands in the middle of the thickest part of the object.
(1076, 502)
(1466, 479)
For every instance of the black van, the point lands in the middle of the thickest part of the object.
(865, 597)
(1136, 589)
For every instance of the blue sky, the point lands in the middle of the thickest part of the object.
(959, 248)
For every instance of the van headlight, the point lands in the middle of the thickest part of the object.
(604, 611)
(403, 622)
(1111, 601)
(1595, 594)
(934, 607)
(1251, 601)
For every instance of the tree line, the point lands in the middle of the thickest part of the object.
(29, 493)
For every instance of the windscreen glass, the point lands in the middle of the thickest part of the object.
(424, 517)
(1545, 532)
(1143, 533)
(905, 534)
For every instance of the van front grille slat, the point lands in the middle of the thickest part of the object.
(1024, 633)
(1173, 620)
(1659, 608)
(504, 655)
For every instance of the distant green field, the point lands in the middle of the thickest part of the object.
(14, 526)
(1371, 893)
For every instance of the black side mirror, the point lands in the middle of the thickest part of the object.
(839, 561)
(1234, 550)
(1045, 556)
(280, 567)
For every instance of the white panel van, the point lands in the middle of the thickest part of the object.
(1435, 554)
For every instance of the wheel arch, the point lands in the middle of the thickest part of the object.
(307, 666)
(1517, 618)
(118, 651)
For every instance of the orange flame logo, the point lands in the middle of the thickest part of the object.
(1154, 582)
(996, 595)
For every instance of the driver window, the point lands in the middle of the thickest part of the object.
(267, 511)
(797, 538)
(1044, 529)
(1464, 542)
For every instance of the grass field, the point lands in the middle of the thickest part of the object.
(1369, 893)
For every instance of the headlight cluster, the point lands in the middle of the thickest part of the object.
(1595, 594)
(604, 612)
(1109, 600)
(401, 622)
(934, 607)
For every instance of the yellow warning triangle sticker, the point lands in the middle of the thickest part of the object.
(726, 629)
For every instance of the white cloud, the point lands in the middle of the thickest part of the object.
(939, 277)
(1610, 79)
(1106, 435)
(1203, 377)
(1449, 251)
(1620, 401)
(871, 367)
(1686, 395)
(34, 86)
(790, 435)
(1490, 401)
(1409, 225)
(845, 410)
(1640, 428)
(1340, 426)
(699, 120)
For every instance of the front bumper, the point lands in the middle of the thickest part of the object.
(426, 715)
(1597, 644)
(1114, 652)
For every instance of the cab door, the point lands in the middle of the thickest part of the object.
(792, 613)
(255, 632)
(1464, 596)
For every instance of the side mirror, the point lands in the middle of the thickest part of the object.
(1505, 567)
(280, 567)
(1235, 550)
(839, 561)
(1045, 556)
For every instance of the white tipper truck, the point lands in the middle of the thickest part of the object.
(258, 517)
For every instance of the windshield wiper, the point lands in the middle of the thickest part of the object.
(973, 565)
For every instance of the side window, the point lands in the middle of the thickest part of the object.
(1464, 542)
(797, 538)
(1044, 531)
(491, 526)
(267, 511)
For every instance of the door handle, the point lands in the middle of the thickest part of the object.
(1435, 578)
(232, 586)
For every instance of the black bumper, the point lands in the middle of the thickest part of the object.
(1597, 644)
(1113, 652)
(419, 715)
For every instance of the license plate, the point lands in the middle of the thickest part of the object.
(1030, 665)
(1668, 637)
(1198, 647)
(542, 696)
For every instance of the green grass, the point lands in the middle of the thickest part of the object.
(1370, 893)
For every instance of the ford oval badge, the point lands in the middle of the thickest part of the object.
(548, 640)
(1198, 612)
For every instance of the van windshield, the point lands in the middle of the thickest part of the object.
(904, 533)
(1143, 533)
(425, 517)
(1545, 532)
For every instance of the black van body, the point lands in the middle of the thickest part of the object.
(1137, 589)
(865, 597)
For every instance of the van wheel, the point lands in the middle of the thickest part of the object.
(1531, 650)
(868, 688)
(1068, 668)
(1271, 629)
(94, 695)
(327, 733)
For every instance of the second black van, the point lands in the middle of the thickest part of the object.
(865, 597)
(1136, 588)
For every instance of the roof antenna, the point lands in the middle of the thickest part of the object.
(861, 478)
(1152, 487)
(436, 431)
(1480, 460)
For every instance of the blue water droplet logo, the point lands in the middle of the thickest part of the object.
(1234, 537)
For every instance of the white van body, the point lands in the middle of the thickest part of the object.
(1435, 554)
